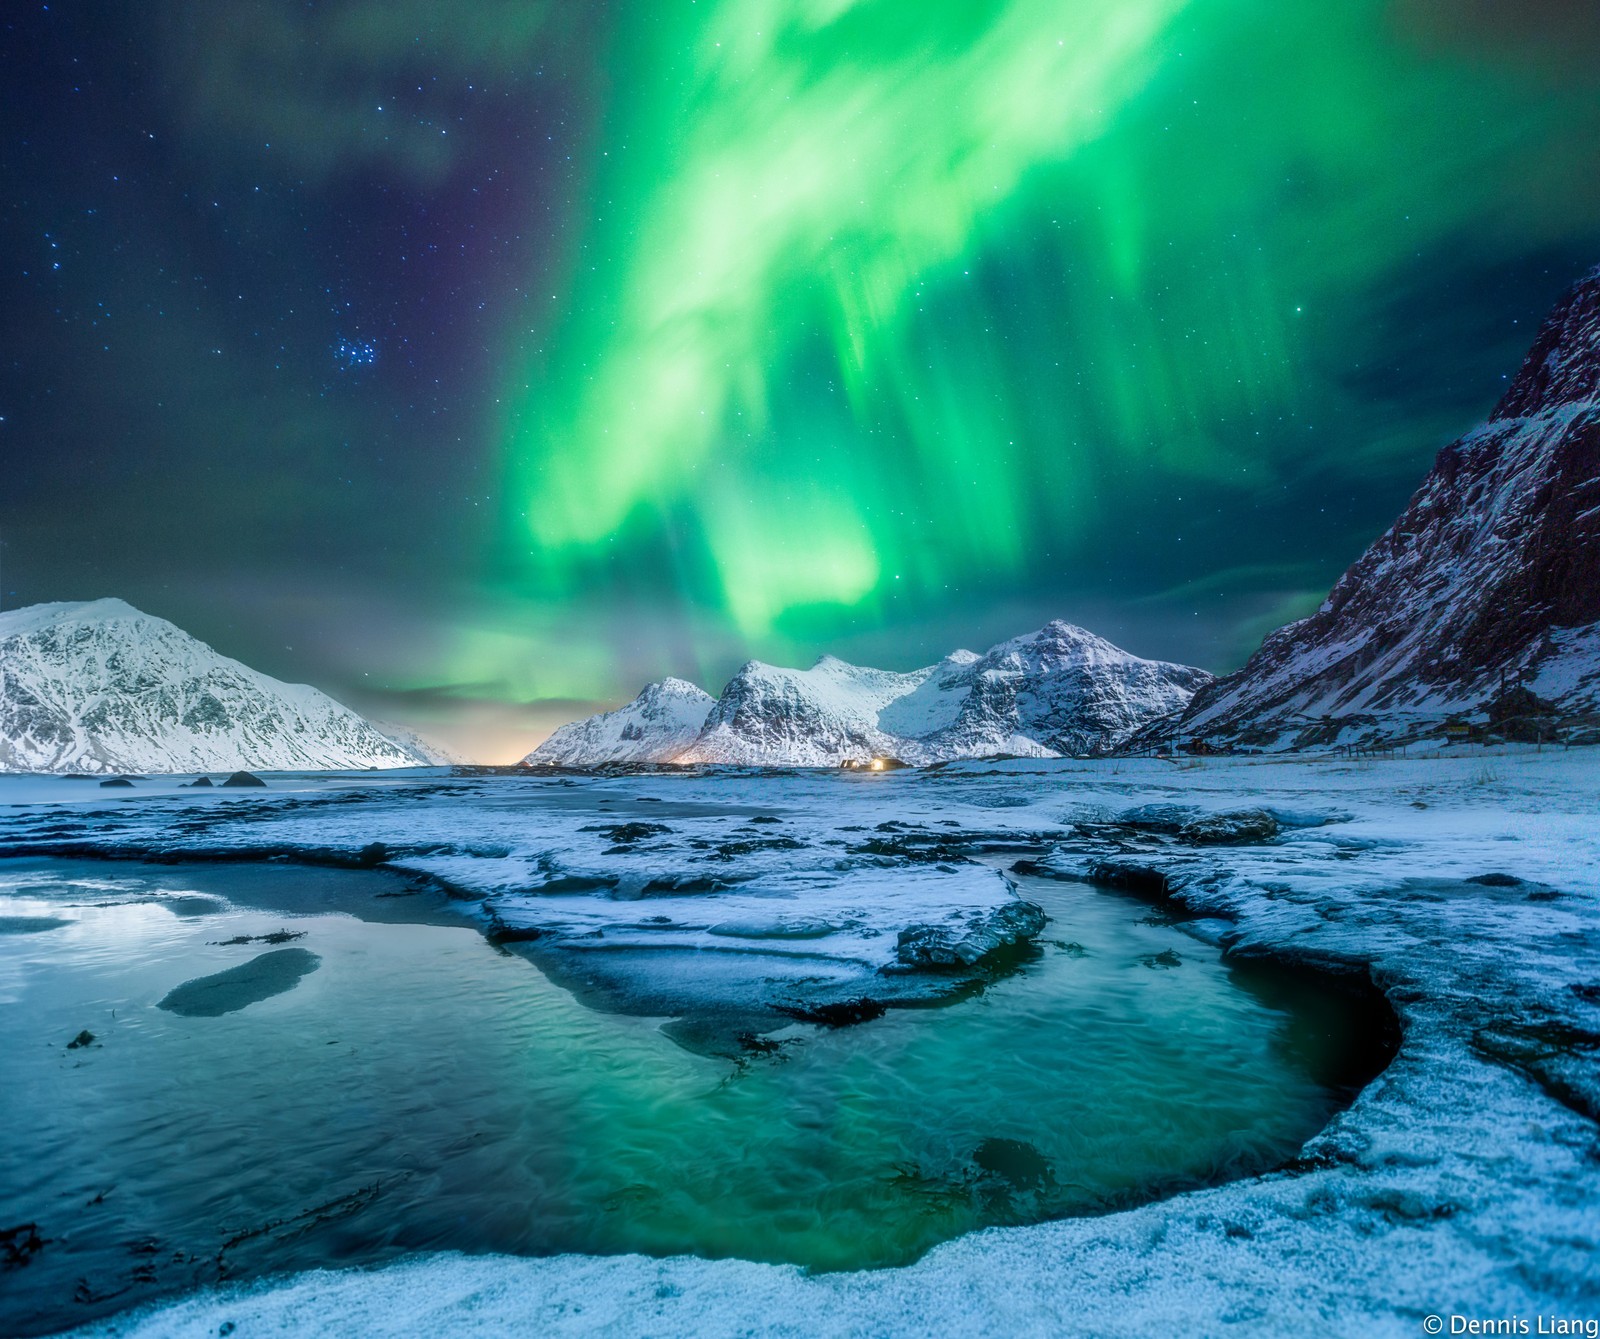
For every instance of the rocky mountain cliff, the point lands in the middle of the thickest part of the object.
(101, 687)
(1059, 690)
(1490, 577)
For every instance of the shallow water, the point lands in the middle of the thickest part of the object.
(416, 1089)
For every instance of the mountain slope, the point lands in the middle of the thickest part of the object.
(1492, 570)
(657, 726)
(1059, 690)
(101, 687)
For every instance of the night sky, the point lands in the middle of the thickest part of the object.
(478, 363)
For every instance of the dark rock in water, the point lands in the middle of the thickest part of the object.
(626, 833)
(1167, 958)
(1496, 880)
(200, 782)
(1234, 827)
(840, 1013)
(1015, 1162)
(947, 947)
(274, 937)
(501, 933)
(20, 1244)
(1139, 879)
(239, 987)
(84, 1038)
(244, 779)
(733, 850)
(116, 782)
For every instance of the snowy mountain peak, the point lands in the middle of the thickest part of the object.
(99, 686)
(19, 622)
(669, 688)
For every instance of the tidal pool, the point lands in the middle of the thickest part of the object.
(413, 1088)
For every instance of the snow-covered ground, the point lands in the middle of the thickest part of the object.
(1464, 1182)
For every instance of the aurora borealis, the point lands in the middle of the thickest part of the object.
(479, 364)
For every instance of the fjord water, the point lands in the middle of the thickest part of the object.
(410, 1088)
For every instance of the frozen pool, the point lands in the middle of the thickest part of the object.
(356, 1088)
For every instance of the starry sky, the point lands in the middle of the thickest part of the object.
(479, 363)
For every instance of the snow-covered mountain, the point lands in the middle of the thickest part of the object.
(101, 687)
(1491, 575)
(1059, 690)
(657, 726)
(802, 718)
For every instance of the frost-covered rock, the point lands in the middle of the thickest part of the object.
(1058, 690)
(101, 687)
(1232, 827)
(1491, 575)
(656, 727)
(970, 943)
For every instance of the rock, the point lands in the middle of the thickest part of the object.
(946, 947)
(1231, 828)
(1162, 818)
(501, 933)
(84, 1038)
(625, 834)
(244, 779)
(20, 1244)
(200, 783)
(117, 781)
(1139, 879)
(841, 1013)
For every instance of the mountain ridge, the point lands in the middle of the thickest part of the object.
(1059, 689)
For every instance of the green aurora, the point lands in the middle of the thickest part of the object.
(891, 299)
